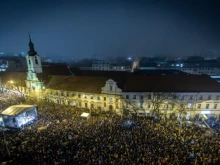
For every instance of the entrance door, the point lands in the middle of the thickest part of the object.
(110, 107)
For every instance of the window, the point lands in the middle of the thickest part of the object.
(200, 98)
(79, 95)
(182, 98)
(190, 105)
(86, 105)
(104, 104)
(190, 97)
(104, 98)
(29, 61)
(209, 97)
(148, 106)
(149, 97)
(127, 96)
(110, 99)
(36, 61)
(142, 97)
(116, 100)
(91, 97)
(85, 96)
(134, 96)
(110, 87)
(98, 98)
(207, 106)
(215, 106)
(217, 97)
(199, 106)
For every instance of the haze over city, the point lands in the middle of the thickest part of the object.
(80, 29)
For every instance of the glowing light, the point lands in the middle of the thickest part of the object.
(11, 82)
(24, 120)
(129, 58)
(205, 112)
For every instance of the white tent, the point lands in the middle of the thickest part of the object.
(85, 115)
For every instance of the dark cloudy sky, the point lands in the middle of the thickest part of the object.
(74, 29)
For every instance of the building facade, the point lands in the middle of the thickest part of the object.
(189, 94)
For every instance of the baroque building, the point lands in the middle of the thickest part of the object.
(118, 92)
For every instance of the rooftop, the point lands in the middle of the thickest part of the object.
(16, 109)
(171, 83)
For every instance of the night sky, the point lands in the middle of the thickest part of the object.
(78, 29)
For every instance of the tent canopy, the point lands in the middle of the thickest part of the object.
(17, 109)
(86, 115)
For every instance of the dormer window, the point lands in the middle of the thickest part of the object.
(110, 87)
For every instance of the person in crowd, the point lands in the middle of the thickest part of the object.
(67, 139)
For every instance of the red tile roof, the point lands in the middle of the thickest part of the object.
(77, 83)
(171, 83)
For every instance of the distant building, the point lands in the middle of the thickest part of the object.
(13, 63)
(101, 65)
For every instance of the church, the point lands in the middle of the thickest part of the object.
(113, 91)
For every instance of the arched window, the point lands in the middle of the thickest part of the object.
(36, 61)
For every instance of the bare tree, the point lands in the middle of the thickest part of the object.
(129, 107)
(159, 99)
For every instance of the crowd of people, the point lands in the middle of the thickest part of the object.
(62, 137)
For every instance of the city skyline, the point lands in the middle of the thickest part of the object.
(73, 29)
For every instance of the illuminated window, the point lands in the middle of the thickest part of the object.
(190, 105)
(199, 106)
(215, 106)
(207, 106)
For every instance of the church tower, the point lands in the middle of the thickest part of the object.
(34, 68)
(33, 60)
